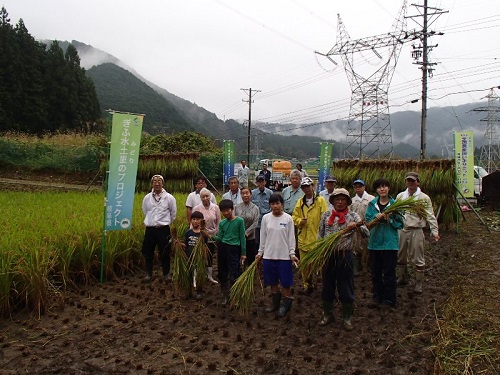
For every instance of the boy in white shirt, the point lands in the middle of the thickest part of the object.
(277, 249)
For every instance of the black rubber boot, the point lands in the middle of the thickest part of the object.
(275, 302)
(225, 293)
(347, 311)
(285, 307)
(327, 313)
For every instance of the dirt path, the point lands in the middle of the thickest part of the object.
(127, 327)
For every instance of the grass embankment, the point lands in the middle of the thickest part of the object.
(468, 331)
(49, 241)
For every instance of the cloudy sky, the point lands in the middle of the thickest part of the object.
(206, 51)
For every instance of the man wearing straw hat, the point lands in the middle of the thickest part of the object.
(411, 238)
(160, 210)
(338, 271)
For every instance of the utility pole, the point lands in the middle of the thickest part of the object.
(249, 101)
(426, 66)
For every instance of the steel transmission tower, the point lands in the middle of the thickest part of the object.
(490, 152)
(369, 130)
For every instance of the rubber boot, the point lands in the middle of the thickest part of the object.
(402, 274)
(419, 279)
(225, 293)
(347, 311)
(327, 313)
(210, 274)
(275, 302)
(194, 279)
(285, 307)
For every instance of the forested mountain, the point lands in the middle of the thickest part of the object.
(119, 90)
(42, 90)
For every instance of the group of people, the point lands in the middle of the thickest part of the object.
(279, 229)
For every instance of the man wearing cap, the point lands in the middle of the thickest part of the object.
(330, 183)
(306, 216)
(260, 197)
(411, 238)
(160, 210)
(267, 175)
(359, 204)
(338, 271)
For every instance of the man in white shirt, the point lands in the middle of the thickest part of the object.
(330, 183)
(243, 174)
(359, 204)
(234, 193)
(160, 210)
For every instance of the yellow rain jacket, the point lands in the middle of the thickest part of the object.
(309, 232)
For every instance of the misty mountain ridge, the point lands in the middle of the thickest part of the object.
(405, 125)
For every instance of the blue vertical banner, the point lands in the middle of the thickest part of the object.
(325, 163)
(126, 130)
(464, 162)
(228, 163)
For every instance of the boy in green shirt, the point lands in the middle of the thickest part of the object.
(231, 247)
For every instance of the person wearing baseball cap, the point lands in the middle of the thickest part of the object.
(330, 183)
(360, 202)
(411, 238)
(306, 216)
(338, 271)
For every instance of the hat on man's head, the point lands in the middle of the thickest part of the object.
(260, 177)
(340, 191)
(330, 178)
(412, 176)
(359, 181)
(306, 181)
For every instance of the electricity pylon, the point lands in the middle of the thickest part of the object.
(369, 130)
(490, 152)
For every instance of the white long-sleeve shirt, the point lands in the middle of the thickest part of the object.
(277, 237)
(159, 210)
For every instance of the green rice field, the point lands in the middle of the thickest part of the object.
(50, 241)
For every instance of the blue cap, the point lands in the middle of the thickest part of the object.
(359, 182)
(330, 178)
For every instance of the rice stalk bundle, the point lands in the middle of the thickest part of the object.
(322, 249)
(242, 292)
(198, 261)
(180, 273)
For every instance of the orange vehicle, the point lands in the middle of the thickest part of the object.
(280, 172)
